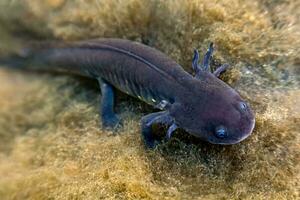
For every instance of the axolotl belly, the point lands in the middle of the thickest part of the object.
(202, 105)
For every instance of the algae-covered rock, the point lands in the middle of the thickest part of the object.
(51, 146)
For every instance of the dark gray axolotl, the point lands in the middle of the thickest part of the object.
(202, 105)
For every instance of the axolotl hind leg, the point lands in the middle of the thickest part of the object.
(109, 118)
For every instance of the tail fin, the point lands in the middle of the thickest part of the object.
(13, 61)
(17, 60)
(35, 56)
(28, 57)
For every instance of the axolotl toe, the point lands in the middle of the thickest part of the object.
(202, 105)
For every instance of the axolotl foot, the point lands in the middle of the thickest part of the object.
(111, 122)
(153, 118)
(205, 65)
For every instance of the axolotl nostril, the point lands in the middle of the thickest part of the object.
(202, 105)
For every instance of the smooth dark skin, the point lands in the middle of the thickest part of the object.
(203, 105)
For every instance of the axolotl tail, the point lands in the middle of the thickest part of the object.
(30, 57)
(47, 57)
(20, 60)
(13, 62)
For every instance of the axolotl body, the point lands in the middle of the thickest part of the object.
(202, 105)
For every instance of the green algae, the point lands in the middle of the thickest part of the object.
(51, 146)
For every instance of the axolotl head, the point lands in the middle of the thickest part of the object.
(213, 111)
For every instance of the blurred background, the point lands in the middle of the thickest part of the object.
(51, 146)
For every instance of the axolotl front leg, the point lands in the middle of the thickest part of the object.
(205, 65)
(147, 121)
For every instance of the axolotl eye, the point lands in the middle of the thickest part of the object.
(243, 105)
(221, 132)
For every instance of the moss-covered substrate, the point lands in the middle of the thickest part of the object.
(51, 146)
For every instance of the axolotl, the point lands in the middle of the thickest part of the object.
(202, 105)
